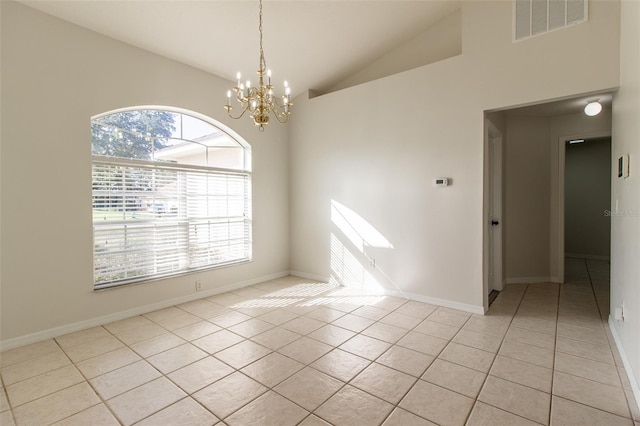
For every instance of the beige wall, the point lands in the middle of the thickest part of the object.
(377, 147)
(55, 76)
(625, 229)
(526, 207)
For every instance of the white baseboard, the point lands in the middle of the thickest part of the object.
(635, 386)
(586, 256)
(106, 319)
(474, 309)
(310, 276)
(531, 280)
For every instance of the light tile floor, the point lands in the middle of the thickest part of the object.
(292, 352)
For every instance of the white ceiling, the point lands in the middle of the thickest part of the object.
(312, 44)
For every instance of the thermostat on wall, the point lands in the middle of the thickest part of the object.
(623, 166)
(441, 182)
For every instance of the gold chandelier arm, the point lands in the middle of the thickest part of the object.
(282, 120)
(282, 117)
(229, 108)
(276, 102)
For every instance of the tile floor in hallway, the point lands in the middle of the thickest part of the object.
(292, 352)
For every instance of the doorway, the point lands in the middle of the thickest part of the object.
(589, 160)
(587, 199)
(531, 225)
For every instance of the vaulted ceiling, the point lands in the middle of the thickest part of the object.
(312, 44)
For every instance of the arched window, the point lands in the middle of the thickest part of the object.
(171, 194)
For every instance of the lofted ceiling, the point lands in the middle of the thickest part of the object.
(312, 44)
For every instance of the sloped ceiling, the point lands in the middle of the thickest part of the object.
(312, 44)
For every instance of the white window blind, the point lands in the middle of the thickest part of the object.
(154, 220)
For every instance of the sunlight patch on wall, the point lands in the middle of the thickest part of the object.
(360, 232)
(352, 265)
(350, 272)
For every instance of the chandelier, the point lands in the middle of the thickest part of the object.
(260, 100)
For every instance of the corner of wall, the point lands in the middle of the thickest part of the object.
(625, 225)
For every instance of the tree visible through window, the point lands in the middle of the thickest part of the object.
(171, 194)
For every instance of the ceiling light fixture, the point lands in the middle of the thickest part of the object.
(260, 100)
(593, 108)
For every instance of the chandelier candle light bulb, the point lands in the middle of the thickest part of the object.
(259, 100)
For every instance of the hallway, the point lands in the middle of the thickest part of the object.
(563, 328)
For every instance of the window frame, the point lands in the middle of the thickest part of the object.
(208, 172)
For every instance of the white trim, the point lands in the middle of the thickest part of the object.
(635, 386)
(532, 280)
(491, 134)
(587, 256)
(493, 209)
(474, 309)
(321, 278)
(106, 319)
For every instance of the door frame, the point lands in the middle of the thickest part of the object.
(492, 135)
(559, 241)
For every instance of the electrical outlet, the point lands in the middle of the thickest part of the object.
(372, 263)
(198, 285)
(619, 313)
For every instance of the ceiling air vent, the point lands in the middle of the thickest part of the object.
(533, 17)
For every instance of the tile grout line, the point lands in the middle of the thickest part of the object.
(611, 347)
(555, 351)
(602, 323)
(144, 359)
(241, 372)
(407, 331)
(593, 291)
(6, 394)
(333, 347)
(348, 383)
(477, 399)
(87, 380)
(435, 358)
(162, 375)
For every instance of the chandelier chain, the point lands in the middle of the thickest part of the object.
(259, 100)
(263, 64)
